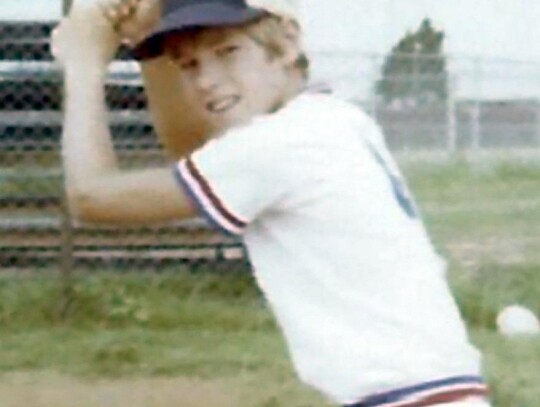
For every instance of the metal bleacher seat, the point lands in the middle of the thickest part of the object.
(32, 223)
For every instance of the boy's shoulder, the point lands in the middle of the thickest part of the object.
(316, 107)
(309, 119)
(318, 112)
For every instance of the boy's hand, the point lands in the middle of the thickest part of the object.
(85, 38)
(133, 20)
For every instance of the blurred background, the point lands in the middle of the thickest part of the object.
(456, 89)
(439, 77)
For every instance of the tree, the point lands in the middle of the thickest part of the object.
(415, 70)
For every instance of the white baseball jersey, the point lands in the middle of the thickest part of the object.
(466, 403)
(340, 253)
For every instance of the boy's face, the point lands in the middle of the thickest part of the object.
(228, 78)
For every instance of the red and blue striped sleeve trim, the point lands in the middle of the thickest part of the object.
(209, 204)
(449, 390)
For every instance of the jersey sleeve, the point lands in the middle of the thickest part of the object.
(235, 178)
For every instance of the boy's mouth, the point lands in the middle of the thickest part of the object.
(222, 104)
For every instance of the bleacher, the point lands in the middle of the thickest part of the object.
(34, 229)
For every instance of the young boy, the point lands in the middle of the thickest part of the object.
(336, 242)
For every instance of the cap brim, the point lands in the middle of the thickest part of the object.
(199, 15)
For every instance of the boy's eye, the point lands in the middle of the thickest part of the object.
(228, 50)
(188, 64)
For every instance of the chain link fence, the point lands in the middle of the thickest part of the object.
(35, 227)
(478, 113)
(489, 104)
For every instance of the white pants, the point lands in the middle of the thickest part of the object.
(465, 403)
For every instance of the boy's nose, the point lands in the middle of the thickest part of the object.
(209, 76)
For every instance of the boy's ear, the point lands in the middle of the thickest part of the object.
(292, 29)
(292, 49)
(291, 54)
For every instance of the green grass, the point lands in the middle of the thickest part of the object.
(480, 214)
(512, 368)
(484, 220)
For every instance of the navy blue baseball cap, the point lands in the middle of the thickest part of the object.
(179, 15)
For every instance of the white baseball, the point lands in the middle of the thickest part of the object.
(517, 320)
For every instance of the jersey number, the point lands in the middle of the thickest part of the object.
(401, 192)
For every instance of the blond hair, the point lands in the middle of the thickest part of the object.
(273, 33)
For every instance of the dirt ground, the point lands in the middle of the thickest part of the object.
(52, 390)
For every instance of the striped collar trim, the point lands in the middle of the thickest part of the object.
(208, 202)
(429, 394)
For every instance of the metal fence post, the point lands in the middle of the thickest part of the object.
(66, 5)
(374, 102)
(475, 112)
(451, 125)
(415, 72)
(537, 117)
(476, 128)
(66, 262)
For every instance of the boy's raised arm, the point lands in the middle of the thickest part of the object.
(85, 43)
(176, 126)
